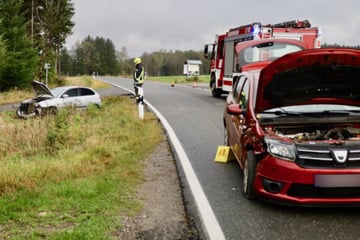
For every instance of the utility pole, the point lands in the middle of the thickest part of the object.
(32, 20)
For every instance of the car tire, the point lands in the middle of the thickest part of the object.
(19, 113)
(49, 111)
(249, 175)
(53, 111)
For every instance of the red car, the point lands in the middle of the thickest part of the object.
(294, 128)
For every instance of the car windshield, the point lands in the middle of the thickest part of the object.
(266, 52)
(57, 91)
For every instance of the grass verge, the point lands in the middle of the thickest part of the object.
(71, 176)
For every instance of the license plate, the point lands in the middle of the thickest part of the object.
(337, 180)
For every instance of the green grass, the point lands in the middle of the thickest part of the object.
(73, 175)
(180, 79)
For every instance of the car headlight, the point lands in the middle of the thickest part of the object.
(280, 149)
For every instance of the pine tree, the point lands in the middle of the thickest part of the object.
(20, 58)
(53, 25)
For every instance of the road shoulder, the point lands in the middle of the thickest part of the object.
(163, 215)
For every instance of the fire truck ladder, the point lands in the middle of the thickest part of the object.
(293, 24)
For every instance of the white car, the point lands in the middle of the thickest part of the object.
(48, 101)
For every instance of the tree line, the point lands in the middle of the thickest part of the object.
(98, 55)
(92, 55)
(168, 63)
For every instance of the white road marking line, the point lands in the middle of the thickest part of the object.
(208, 218)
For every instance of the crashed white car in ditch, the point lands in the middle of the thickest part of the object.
(48, 101)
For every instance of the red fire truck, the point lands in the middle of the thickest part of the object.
(223, 53)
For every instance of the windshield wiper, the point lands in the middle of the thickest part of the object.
(282, 112)
(336, 112)
(353, 111)
(324, 113)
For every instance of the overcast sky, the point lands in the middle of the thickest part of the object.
(150, 25)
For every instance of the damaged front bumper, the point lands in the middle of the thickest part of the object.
(26, 110)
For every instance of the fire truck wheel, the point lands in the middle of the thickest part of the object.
(249, 175)
(216, 92)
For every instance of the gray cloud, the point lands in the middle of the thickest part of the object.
(150, 25)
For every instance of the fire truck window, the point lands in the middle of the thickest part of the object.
(266, 51)
(209, 51)
(241, 59)
(220, 49)
(252, 55)
(248, 55)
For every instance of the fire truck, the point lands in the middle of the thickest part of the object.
(223, 54)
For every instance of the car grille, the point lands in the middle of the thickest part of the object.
(27, 108)
(310, 191)
(322, 156)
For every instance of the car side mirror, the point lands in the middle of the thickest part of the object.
(206, 51)
(65, 96)
(234, 109)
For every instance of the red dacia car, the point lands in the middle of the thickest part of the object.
(294, 127)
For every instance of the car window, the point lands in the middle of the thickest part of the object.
(56, 92)
(244, 95)
(72, 92)
(86, 92)
(238, 87)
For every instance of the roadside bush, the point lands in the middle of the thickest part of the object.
(73, 173)
(87, 136)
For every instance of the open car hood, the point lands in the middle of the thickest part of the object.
(41, 89)
(328, 75)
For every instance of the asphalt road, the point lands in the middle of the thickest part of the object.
(196, 119)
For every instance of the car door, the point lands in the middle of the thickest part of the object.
(71, 98)
(236, 123)
(240, 122)
(87, 97)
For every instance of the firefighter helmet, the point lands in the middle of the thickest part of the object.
(137, 60)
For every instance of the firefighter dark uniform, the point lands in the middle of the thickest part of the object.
(139, 75)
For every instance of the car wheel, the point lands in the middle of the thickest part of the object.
(49, 111)
(53, 111)
(19, 113)
(249, 175)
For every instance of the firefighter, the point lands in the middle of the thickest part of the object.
(139, 75)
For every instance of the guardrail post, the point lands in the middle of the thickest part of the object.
(140, 101)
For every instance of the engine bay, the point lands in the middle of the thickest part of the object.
(318, 132)
(42, 98)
